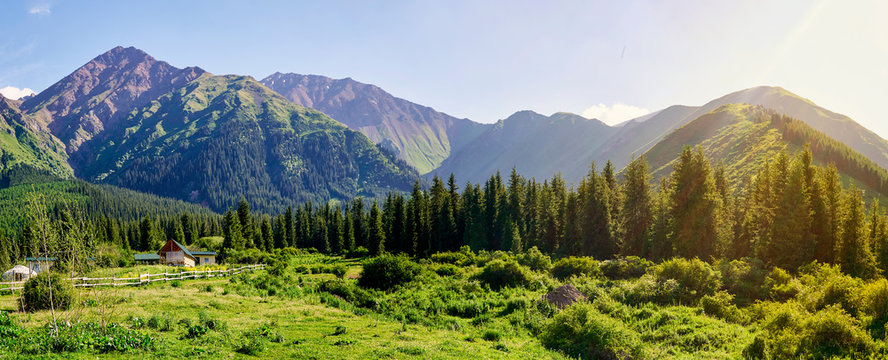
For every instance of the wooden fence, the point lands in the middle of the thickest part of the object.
(141, 279)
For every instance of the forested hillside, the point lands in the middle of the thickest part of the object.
(740, 138)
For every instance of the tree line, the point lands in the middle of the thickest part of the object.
(790, 213)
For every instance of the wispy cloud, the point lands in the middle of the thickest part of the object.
(614, 114)
(42, 9)
(15, 93)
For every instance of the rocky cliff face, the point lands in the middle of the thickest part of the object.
(95, 97)
(418, 134)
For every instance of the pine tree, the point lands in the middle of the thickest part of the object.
(337, 242)
(694, 206)
(231, 231)
(636, 217)
(246, 222)
(5, 251)
(376, 230)
(280, 233)
(854, 254)
(359, 222)
(289, 228)
(267, 234)
(349, 236)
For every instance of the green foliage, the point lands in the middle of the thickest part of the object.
(575, 266)
(535, 260)
(582, 331)
(792, 332)
(48, 290)
(387, 271)
(504, 273)
(624, 267)
(746, 279)
(694, 278)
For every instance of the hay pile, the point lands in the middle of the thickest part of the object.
(564, 296)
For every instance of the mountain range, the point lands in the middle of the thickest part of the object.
(127, 119)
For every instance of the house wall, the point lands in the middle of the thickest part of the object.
(205, 260)
(178, 258)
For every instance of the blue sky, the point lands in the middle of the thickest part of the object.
(487, 59)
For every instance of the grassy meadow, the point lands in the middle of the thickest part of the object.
(464, 305)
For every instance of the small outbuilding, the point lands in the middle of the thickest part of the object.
(204, 257)
(18, 273)
(38, 264)
(147, 258)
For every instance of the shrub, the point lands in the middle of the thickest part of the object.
(250, 344)
(792, 332)
(535, 260)
(176, 283)
(338, 270)
(160, 322)
(694, 278)
(581, 331)
(499, 274)
(781, 286)
(492, 335)
(570, 266)
(745, 279)
(359, 252)
(387, 271)
(449, 257)
(721, 306)
(46, 291)
(823, 285)
(874, 303)
(446, 270)
(625, 267)
(467, 308)
(348, 292)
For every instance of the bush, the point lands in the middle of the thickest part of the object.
(359, 252)
(625, 267)
(48, 290)
(446, 270)
(823, 285)
(499, 274)
(387, 271)
(160, 322)
(581, 331)
(570, 266)
(535, 260)
(694, 278)
(721, 306)
(348, 292)
(745, 279)
(781, 286)
(791, 332)
(874, 303)
(449, 257)
(338, 270)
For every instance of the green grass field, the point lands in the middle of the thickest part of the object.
(465, 305)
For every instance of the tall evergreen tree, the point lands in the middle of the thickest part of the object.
(694, 206)
(267, 234)
(854, 252)
(636, 217)
(231, 231)
(246, 222)
(376, 230)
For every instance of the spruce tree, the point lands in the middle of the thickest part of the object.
(635, 214)
(231, 231)
(694, 206)
(267, 234)
(854, 252)
(376, 230)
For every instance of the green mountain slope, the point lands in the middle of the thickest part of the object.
(220, 137)
(21, 145)
(418, 134)
(741, 137)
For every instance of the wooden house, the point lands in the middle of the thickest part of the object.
(175, 254)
